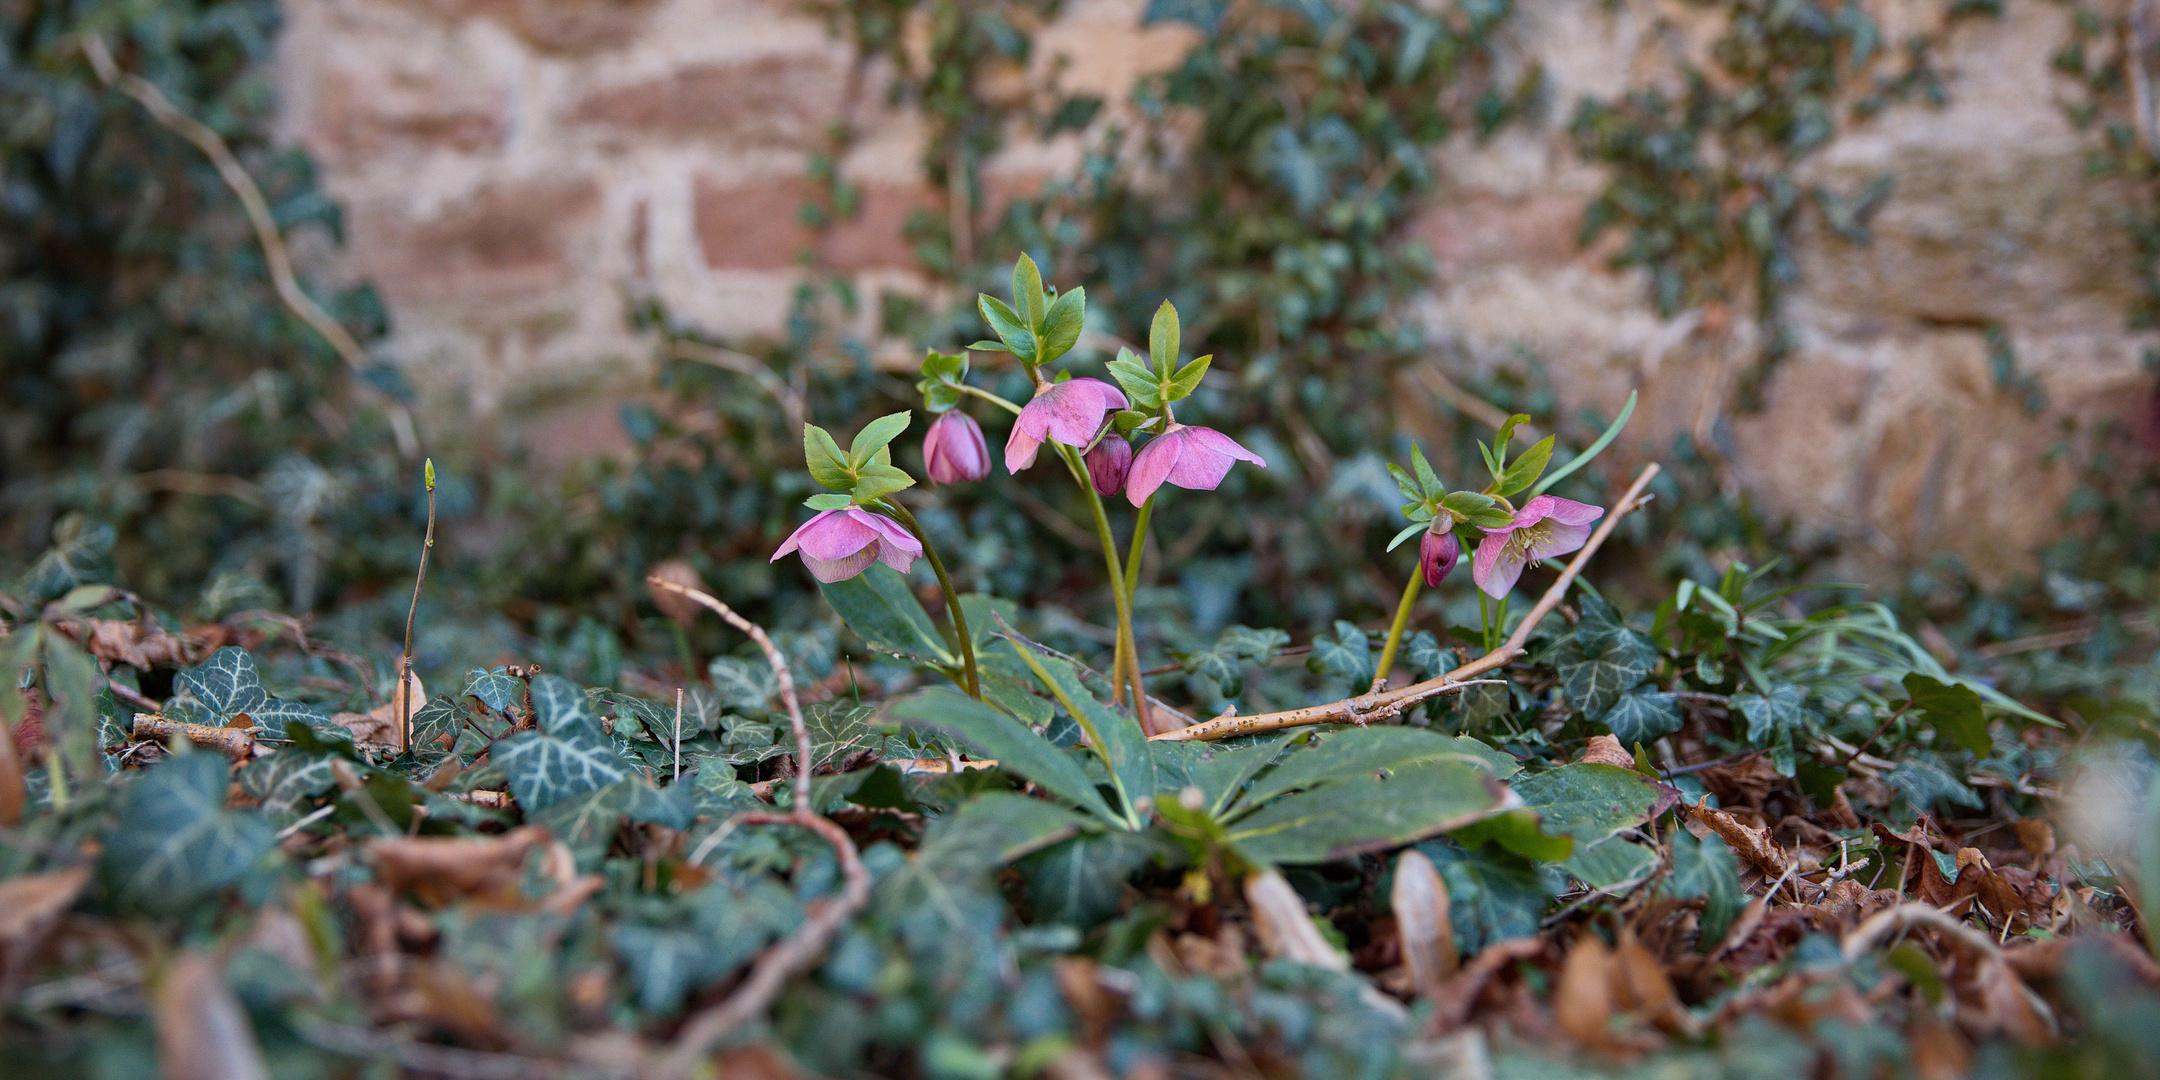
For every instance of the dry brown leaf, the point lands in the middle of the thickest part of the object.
(441, 869)
(1752, 844)
(1285, 928)
(1582, 1001)
(1645, 990)
(675, 605)
(2036, 837)
(1606, 750)
(202, 1032)
(1451, 1006)
(385, 723)
(139, 643)
(29, 906)
(1420, 902)
(13, 795)
(1938, 1053)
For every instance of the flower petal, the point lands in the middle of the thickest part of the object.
(1199, 467)
(841, 534)
(831, 570)
(794, 539)
(1216, 442)
(1020, 448)
(1552, 537)
(1151, 466)
(1497, 565)
(1566, 511)
(892, 534)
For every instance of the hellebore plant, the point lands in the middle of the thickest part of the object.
(1507, 538)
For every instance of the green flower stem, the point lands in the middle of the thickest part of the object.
(1402, 620)
(1124, 664)
(989, 397)
(1139, 537)
(973, 683)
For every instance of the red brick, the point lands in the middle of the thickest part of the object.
(357, 117)
(506, 239)
(561, 26)
(757, 225)
(775, 101)
(1466, 234)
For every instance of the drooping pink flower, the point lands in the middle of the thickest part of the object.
(839, 544)
(1108, 463)
(1546, 526)
(1070, 412)
(1437, 553)
(1194, 458)
(953, 449)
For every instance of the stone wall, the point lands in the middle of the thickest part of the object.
(512, 167)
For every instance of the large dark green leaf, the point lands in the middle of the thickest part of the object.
(81, 554)
(877, 605)
(1081, 881)
(1339, 753)
(1379, 809)
(1602, 659)
(1219, 769)
(986, 732)
(546, 768)
(173, 842)
(1493, 895)
(1706, 868)
(1953, 709)
(1591, 800)
(1117, 738)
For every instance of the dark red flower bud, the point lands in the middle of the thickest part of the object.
(954, 450)
(1438, 553)
(1108, 463)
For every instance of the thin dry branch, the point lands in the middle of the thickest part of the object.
(259, 218)
(1368, 708)
(798, 950)
(235, 742)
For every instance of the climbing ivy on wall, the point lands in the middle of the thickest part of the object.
(1703, 187)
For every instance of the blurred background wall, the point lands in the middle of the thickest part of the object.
(1952, 313)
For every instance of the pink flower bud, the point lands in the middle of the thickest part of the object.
(1108, 463)
(953, 450)
(1438, 553)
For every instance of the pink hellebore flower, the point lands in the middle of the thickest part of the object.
(953, 450)
(1194, 458)
(1070, 412)
(1108, 463)
(839, 544)
(1544, 527)
(1438, 553)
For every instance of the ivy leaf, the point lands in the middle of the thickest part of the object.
(559, 703)
(1643, 717)
(1422, 652)
(1062, 324)
(172, 841)
(1080, 881)
(547, 767)
(1923, 780)
(730, 921)
(1706, 868)
(1224, 662)
(742, 685)
(1602, 659)
(1780, 715)
(81, 554)
(222, 687)
(497, 689)
(1347, 656)
(285, 780)
(1953, 709)
(1493, 895)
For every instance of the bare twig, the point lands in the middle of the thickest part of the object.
(236, 742)
(259, 218)
(799, 949)
(678, 733)
(1367, 708)
(446, 1061)
(404, 690)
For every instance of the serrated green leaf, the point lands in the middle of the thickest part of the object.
(877, 605)
(1115, 737)
(1080, 881)
(1162, 337)
(1062, 324)
(1330, 756)
(1590, 800)
(172, 841)
(1027, 293)
(941, 367)
(880, 479)
(1525, 470)
(829, 500)
(986, 732)
(1181, 386)
(1953, 709)
(988, 346)
(1429, 485)
(1018, 339)
(875, 435)
(827, 464)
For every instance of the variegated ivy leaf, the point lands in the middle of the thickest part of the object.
(1347, 656)
(497, 689)
(1643, 717)
(1224, 662)
(1602, 659)
(172, 841)
(547, 767)
(286, 779)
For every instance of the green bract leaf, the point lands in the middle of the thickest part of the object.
(943, 367)
(986, 732)
(1062, 324)
(988, 346)
(828, 465)
(1524, 470)
(1162, 338)
(1413, 529)
(1465, 505)
(173, 842)
(1429, 484)
(1953, 709)
(829, 500)
(1019, 340)
(1507, 431)
(1181, 386)
(1027, 293)
(879, 479)
(877, 605)
(875, 435)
